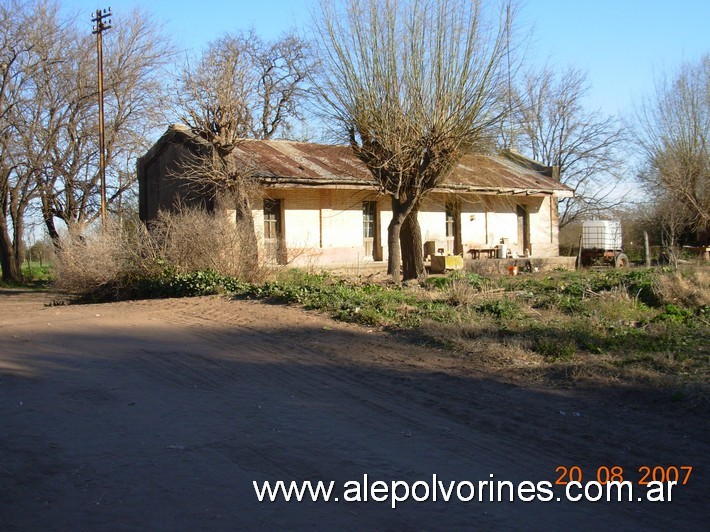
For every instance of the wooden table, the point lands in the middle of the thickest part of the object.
(477, 253)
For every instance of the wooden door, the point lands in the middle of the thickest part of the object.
(273, 231)
(369, 229)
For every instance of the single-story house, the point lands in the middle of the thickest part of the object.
(321, 207)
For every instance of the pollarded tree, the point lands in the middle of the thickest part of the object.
(553, 127)
(673, 130)
(240, 87)
(414, 85)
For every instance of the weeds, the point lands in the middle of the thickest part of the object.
(503, 309)
(611, 322)
(190, 253)
(555, 348)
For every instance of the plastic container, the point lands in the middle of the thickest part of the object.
(502, 251)
(601, 234)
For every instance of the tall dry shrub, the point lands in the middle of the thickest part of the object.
(191, 240)
(689, 287)
(101, 260)
(194, 240)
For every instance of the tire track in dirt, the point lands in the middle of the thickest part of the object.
(397, 396)
(225, 392)
(308, 371)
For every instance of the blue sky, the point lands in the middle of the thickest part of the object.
(622, 45)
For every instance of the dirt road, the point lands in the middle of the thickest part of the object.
(159, 415)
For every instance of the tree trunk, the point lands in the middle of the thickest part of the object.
(10, 271)
(394, 259)
(53, 233)
(18, 246)
(245, 220)
(411, 244)
(646, 250)
(48, 218)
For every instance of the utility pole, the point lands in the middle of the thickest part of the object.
(99, 28)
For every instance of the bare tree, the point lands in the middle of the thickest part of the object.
(282, 69)
(413, 85)
(553, 127)
(24, 50)
(134, 53)
(673, 130)
(242, 87)
(48, 124)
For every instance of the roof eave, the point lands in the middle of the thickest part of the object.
(277, 181)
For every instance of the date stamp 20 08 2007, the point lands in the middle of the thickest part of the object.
(643, 474)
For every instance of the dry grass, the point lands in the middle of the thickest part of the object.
(478, 342)
(461, 292)
(190, 241)
(195, 240)
(689, 287)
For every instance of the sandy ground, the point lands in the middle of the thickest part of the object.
(158, 415)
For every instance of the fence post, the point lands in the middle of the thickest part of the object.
(646, 250)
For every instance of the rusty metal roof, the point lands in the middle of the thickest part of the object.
(283, 160)
(289, 163)
(280, 162)
(504, 174)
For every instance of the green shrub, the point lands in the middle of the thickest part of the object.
(500, 308)
(555, 348)
(675, 314)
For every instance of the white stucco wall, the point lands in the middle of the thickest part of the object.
(544, 229)
(324, 226)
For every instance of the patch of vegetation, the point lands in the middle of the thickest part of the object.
(675, 314)
(370, 304)
(616, 321)
(555, 348)
(36, 276)
(37, 272)
(503, 309)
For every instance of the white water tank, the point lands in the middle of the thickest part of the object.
(601, 234)
(502, 251)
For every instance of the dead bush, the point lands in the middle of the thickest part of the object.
(461, 292)
(192, 240)
(94, 261)
(689, 287)
(469, 290)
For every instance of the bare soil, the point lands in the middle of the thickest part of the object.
(158, 415)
